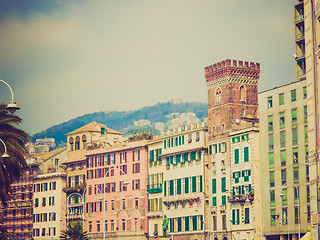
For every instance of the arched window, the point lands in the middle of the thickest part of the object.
(222, 128)
(77, 144)
(242, 93)
(71, 144)
(84, 142)
(243, 112)
(213, 129)
(218, 96)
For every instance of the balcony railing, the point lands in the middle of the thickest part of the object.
(154, 188)
(240, 198)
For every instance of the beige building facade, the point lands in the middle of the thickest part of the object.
(285, 173)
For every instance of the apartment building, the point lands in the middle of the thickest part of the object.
(184, 151)
(91, 136)
(156, 170)
(233, 163)
(49, 205)
(117, 191)
(285, 160)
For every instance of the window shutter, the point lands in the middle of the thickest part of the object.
(194, 184)
(165, 188)
(246, 154)
(179, 186)
(171, 187)
(186, 185)
(236, 156)
(200, 183)
(214, 186)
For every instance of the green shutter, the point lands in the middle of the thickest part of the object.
(164, 144)
(178, 158)
(185, 157)
(214, 186)
(171, 187)
(179, 224)
(233, 216)
(224, 200)
(193, 156)
(194, 184)
(210, 149)
(215, 148)
(179, 186)
(214, 201)
(200, 190)
(151, 155)
(186, 224)
(236, 156)
(246, 154)
(186, 185)
(194, 223)
(223, 184)
(182, 139)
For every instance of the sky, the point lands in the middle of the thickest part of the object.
(64, 59)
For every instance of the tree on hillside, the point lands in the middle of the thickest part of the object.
(14, 139)
(74, 231)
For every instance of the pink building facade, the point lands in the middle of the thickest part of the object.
(125, 171)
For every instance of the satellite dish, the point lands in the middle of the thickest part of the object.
(237, 121)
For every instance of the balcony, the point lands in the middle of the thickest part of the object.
(155, 214)
(240, 198)
(299, 37)
(154, 188)
(182, 198)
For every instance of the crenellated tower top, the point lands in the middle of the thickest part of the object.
(235, 69)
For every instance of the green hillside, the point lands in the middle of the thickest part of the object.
(123, 121)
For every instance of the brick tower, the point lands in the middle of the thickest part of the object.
(232, 95)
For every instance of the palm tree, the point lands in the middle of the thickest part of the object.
(74, 231)
(15, 139)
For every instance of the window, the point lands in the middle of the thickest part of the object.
(282, 123)
(98, 226)
(71, 144)
(284, 216)
(123, 204)
(305, 113)
(235, 216)
(223, 184)
(307, 173)
(304, 92)
(84, 142)
(271, 160)
(271, 178)
(77, 143)
(186, 223)
(112, 226)
(136, 155)
(236, 156)
(272, 199)
(282, 139)
(293, 95)
(296, 195)
(270, 141)
(224, 200)
(296, 215)
(294, 117)
(218, 96)
(296, 175)
(294, 136)
(281, 99)
(306, 134)
(283, 176)
(224, 222)
(283, 158)
(123, 224)
(246, 215)
(270, 123)
(214, 186)
(273, 217)
(307, 153)
(243, 112)
(269, 100)
(295, 155)
(242, 93)
(112, 205)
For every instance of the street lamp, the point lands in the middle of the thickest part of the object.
(12, 106)
(124, 183)
(282, 195)
(5, 154)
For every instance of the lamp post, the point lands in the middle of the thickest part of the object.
(5, 154)
(282, 195)
(124, 183)
(12, 106)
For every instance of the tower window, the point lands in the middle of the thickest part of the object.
(218, 96)
(242, 94)
(243, 112)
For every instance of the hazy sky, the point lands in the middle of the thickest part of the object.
(64, 59)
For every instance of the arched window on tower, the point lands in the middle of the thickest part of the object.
(71, 144)
(213, 129)
(218, 96)
(77, 144)
(242, 93)
(222, 128)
